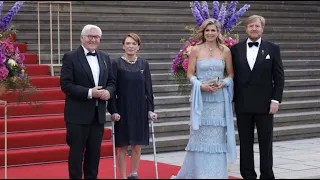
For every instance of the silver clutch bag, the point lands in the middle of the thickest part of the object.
(212, 81)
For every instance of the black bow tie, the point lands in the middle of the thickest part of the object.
(91, 54)
(253, 43)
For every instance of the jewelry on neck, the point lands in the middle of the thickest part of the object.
(210, 50)
(128, 61)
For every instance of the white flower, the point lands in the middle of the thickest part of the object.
(12, 62)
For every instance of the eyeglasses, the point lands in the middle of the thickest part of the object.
(90, 37)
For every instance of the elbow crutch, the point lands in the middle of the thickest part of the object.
(154, 149)
(114, 152)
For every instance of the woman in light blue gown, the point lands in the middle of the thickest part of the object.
(211, 145)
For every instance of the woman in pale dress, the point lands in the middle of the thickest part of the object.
(211, 145)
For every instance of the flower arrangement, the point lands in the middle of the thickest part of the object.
(12, 70)
(13, 75)
(229, 19)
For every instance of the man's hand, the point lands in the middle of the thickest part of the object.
(105, 95)
(97, 91)
(115, 117)
(274, 107)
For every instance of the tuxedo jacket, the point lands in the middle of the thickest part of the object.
(76, 79)
(254, 89)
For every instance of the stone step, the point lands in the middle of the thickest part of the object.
(294, 82)
(290, 85)
(297, 64)
(300, 106)
(288, 64)
(302, 3)
(183, 114)
(179, 142)
(289, 106)
(299, 73)
(80, 7)
(112, 20)
(152, 47)
(32, 37)
(165, 78)
(171, 5)
(159, 28)
(167, 56)
(173, 128)
(303, 94)
(302, 83)
(168, 101)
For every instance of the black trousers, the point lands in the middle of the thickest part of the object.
(84, 140)
(264, 123)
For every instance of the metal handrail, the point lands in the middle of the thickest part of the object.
(5, 139)
(58, 28)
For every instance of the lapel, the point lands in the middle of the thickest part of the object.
(261, 54)
(85, 64)
(102, 66)
(243, 55)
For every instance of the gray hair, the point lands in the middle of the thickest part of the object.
(87, 27)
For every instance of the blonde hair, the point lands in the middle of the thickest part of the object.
(254, 18)
(202, 28)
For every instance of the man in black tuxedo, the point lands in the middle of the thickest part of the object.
(88, 82)
(258, 89)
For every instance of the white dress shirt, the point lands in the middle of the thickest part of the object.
(95, 69)
(252, 53)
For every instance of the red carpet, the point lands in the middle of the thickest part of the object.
(60, 170)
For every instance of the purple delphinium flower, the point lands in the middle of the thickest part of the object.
(215, 9)
(231, 10)
(4, 72)
(233, 20)
(205, 9)
(198, 6)
(222, 15)
(5, 21)
(1, 5)
(197, 16)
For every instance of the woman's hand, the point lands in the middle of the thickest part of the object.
(153, 116)
(208, 88)
(221, 85)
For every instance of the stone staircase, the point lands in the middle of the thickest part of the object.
(294, 26)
